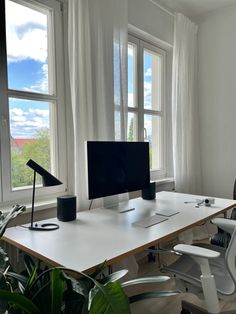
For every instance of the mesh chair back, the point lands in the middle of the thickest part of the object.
(230, 257)
(234, 191)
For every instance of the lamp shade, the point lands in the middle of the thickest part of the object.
(47, 178)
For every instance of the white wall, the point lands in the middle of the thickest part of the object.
(217, 100)
(148, 17)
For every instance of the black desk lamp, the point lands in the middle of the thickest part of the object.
(48, 180)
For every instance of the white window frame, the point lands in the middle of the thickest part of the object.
(7, 195)
(141, 44)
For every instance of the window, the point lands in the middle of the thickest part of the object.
(31, 90)
(146, 100)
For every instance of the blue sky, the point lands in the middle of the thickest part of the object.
(27, 53)
(24, 75)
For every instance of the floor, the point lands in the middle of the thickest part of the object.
(166, 305)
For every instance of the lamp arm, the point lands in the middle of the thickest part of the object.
(33, 195)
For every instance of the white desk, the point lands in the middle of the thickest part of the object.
(105, 234)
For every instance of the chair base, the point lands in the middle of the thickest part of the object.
(190, 308)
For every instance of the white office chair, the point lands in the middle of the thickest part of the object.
(207, 269)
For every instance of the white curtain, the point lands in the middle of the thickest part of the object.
(97, 48)
(186, 148)
(97, 41)
(185, 118)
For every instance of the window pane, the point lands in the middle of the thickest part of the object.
(132, 75)
(152, 134)
(30, 138)
(132, 127)
(152, 75)
(27, 48)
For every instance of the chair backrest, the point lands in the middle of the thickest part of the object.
(229, 225)
(234, 191)
(230, 256)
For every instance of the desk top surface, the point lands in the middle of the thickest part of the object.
(105, 234)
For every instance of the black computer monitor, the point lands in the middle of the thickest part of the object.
(117, 167)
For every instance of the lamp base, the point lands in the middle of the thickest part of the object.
(44, 227)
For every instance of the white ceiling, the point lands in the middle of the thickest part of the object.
(195, 7)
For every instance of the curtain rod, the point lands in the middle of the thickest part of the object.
(162, 7)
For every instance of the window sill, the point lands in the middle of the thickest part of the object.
(164, 180)
(38, 206)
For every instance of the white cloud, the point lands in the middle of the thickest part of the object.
(131, 99)
(147, 101)
(42, 84)
(147, 86)
(39, 112)
(29, 123)
(147, 95)
(44, 81)
(16, 112)
(26, 33)
(16, 119)
(26, 124)
(148, 72)
(130, 51)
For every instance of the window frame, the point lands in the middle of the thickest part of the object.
(142, 43)
(58, 151)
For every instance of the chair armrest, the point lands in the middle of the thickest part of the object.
(226, 224)
(202, 256)
(196, 251)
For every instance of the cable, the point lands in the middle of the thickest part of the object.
(90, 204)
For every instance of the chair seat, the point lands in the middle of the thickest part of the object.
(188, 270)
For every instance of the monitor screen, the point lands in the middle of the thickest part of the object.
(117, 167)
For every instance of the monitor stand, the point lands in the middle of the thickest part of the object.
(118, 203)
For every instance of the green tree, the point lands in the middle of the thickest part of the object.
(38, 150)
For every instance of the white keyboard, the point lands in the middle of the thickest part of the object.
(166, 212)
(150, 221)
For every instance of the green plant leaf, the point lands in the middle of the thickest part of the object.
(5, 219)
(4, 286)
(29, 264)
(114, 276)
(19, 300)
(57, 291)
(23, 279)
(151, 295)
(31, 280)
(3, 259)
(145, 280)
(109, 299)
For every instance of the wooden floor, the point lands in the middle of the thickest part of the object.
(169, 305)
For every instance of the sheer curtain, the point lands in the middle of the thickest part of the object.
(97, 51)
(186, 149)
(97, 41)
